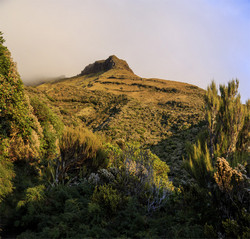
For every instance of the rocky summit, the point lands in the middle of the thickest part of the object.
(112, 62)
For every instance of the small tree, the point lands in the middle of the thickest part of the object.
(14, 107)
(80, 150)
(227, 124)
(199, 164)
(226, 139)
(1, 38)
(212, 102)
(231, 117)
(137, 173)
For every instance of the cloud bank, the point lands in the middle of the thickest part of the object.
(191, 41)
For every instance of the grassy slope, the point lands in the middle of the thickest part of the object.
(159, 114)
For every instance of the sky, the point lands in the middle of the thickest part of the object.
(193, 41)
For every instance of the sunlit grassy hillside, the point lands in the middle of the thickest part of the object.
(160, 114)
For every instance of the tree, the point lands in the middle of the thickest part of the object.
(212, 102)
(1, 38)
(18, 134)
(199, 164)
(14, 108)
(231, 116)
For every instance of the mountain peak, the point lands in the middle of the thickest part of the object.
(112, 62)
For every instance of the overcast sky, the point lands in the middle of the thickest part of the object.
(191, 41)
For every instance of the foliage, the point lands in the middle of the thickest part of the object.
(17, 124)
(1, 38)
(46, 115)
(199, 164)
(226, 135)
(231, 116)
(227, 178)
(225, 126)
(6, 175)
(14, 111)
(226, 119)
(138, 173)
(52, 127)
(234, 197)
(108, 197)
(81, 152)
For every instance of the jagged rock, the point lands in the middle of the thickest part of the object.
(112, 62)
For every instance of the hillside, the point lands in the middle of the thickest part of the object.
(109, 98)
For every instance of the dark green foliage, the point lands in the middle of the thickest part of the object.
(243, 143)
(60, 212)
(6, 176)
(227, 121)
(108, 197)
(199, 164)
(1, 38)
(80, 209)
(224, 187)
(5, 61)
(231, 117)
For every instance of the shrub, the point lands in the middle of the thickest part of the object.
(17, 124)
(52, 127)
(108, 197)
(14, 111)
(81, 152)
(6, 176)
(138, 173)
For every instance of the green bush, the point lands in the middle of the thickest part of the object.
(108, 198)
(52, 127)
(81, 152)
(14, 109)
(6, 176)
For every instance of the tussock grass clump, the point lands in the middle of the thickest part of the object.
(80, 145)
(81, 152)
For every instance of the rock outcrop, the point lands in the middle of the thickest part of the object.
(112, 62)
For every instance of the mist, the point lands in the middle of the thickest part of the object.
(192, 41)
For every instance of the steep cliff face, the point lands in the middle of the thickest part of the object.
(112, 62)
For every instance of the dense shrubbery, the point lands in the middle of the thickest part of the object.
(6, 176)
(51, 128)
(133, 187)
(14, 112)
(18, 140)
